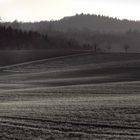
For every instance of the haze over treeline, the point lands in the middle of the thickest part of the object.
(80, 22)
(18, 39)
(80, 31)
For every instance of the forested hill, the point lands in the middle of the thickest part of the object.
(81, 22)
(18, 39)
(74, 32)
(11, 38)
(96, 23)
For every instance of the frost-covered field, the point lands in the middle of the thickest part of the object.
(88, 97)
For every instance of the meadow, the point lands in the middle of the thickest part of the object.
(75, 97)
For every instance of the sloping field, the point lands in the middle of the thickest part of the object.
(86, 96)
(8, 57)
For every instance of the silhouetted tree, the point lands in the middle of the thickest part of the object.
(126, 47)
(87, 47)
(108, 47)
(95, 47)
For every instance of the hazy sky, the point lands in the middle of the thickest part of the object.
(35, 10)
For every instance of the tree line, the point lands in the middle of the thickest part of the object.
(18, 39)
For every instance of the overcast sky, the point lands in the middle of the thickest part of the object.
(36, 10)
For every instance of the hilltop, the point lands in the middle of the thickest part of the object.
(81, 22)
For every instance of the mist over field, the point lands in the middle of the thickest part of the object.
(74, 78)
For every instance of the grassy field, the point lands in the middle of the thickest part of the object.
(77, 97)
(8, 57)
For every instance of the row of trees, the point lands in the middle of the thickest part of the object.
(108, 48)
(18, 39)
(12, 38)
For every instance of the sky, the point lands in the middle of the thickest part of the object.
(36, 10)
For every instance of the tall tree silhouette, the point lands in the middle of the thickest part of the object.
(126, 47)
(108, 47)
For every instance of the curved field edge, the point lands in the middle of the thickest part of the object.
(75, 97)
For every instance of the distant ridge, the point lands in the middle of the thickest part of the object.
(96, 23)
(81, 22)
(87, 31)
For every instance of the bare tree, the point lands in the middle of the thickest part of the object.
(108, 47)
(95, 47)
(126, 47)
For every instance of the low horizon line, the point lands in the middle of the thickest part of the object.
(58, 19)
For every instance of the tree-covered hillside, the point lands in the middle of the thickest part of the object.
(17, 39)
(76, 32)
(80, 22)
(12, 38)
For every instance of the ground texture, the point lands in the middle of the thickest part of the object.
(77, 97)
